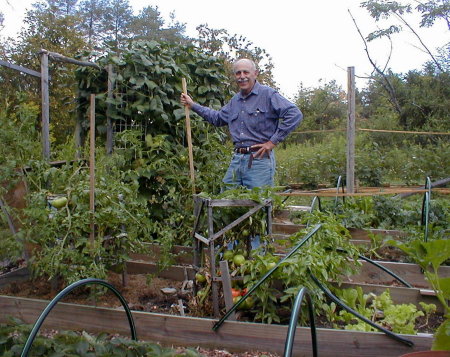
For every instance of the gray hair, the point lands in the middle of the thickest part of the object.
(253, 64)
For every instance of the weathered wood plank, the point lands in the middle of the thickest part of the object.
(175, 272)
(232, 203)
(356, 233)
(412, 273)
(364, 234)
(20, 68)
(181, 254)
(188, 331)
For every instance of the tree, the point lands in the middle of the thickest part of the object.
(323, 107)
(434, 10)
(218, 42)
(430, 12)
(116, 23)
(91, 14)
(398, 91)
(63, 7)
(149, 25)
(46, 27)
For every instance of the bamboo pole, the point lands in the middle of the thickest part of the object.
(189, 138)
(92, 168)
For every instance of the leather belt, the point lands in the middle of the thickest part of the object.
(245, 150)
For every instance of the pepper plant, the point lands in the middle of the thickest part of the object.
(328, 255)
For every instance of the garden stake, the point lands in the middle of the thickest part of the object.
(92, 170)
(189, 139)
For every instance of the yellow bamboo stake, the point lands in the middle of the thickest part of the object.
(189, 138)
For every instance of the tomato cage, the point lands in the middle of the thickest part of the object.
(207, 205)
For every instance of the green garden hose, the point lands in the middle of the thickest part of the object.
(61, 295)
(293, 323)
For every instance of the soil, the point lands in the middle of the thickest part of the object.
(141, 295)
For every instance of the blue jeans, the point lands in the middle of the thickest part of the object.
(261, 173)
(255, 242)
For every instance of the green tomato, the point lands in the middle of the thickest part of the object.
(236, 299)
(183, 159)
(271, 265)
(59, 202)
(245, 233)
(248, 303)
(228, 255)
(200, 278)
(238, 259)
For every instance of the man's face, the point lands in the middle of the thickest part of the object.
(245, 76)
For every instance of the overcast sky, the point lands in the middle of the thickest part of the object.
(308, 40)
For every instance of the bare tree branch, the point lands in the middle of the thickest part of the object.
(420, 40)
(386, 82)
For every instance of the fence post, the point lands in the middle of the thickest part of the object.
(350, 177)
(45, 106)
(109, 126)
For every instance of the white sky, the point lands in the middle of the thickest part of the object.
(308, 40)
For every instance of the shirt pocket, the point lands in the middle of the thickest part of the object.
(259, 119)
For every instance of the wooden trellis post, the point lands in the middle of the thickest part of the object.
(92, 168)
(45, 127)
(109, 126)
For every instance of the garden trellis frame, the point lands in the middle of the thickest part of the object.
(45, 80)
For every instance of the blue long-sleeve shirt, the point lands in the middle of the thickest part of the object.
(255, 119)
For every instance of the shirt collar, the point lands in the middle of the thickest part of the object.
(255, 91)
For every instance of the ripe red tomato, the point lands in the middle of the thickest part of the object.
(235, 292)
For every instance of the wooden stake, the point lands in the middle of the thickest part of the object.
(351, 130)
(92, 167)
(45, 131)
(189, 139)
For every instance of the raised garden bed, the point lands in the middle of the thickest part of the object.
(190, 331)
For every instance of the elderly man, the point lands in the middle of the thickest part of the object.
(258, 118)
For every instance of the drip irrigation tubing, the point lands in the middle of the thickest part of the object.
(426, 208)
(63, 293)
(337, 301)
(386, 270)
(287, 197)
(338, 185)
(293, 323)
(316, 201)
(265, 277)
